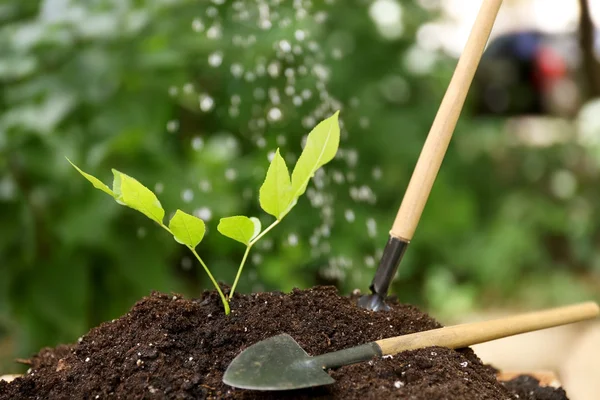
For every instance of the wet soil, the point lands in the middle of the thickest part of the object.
(168, 347)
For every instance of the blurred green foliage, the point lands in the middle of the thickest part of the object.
(179, 93)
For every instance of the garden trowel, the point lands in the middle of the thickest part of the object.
(279, 363)
(431, 157)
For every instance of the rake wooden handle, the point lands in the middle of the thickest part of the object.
(443, 125)
(465, 335)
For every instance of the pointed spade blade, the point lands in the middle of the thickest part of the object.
(277, 363)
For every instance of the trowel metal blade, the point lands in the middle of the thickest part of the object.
(277, 363)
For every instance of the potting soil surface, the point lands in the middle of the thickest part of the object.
(168, 347)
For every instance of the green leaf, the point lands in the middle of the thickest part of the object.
(275, 194)
(240, 228)
(133, 194)
(95, 181)
(321, 146)
(187, 229)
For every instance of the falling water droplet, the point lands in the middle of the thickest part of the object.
(187, 195)
(236, 70)
(371, 227)
(261, 142)
(364, 122)
(206, 102)
(370, 261)
(188, 88)
(214, 32)
(172, 126)
(212, 12)
(197, 25)
(158, 188)
(215, 59)
(274, 69)
(204, 213)
(285, 46)
(377, 173)
(274, 114)
(293, 239)
(230, 174)
(205, 186)
(197, 143)
(257, 258)
(349, 215)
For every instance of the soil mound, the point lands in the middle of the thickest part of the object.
(168, 347)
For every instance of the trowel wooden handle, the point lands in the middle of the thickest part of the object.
(465, 335)
(444, 123)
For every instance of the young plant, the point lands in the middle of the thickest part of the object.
(279, 193)
(277, 196)
(185, 228)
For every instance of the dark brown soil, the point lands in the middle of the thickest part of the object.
(170, 347)
(527, 388)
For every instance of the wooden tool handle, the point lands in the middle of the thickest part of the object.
(443, 126)
(465, 335)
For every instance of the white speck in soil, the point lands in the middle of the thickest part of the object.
(433, 353)
(174, 297)
(398, 384)
(152, 389)
(139, 363)
(87, 359)
(464, 364)
(388, 357)
(191, 358)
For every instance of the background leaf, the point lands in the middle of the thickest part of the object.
(240, 228)
(321, 146)
(95, 181)
(137, 196)
(187, 229)
(276, 191)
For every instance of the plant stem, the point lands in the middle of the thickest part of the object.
(256, 239)
(263, 233)
(239, 272)
(223, 298)
(212, 278)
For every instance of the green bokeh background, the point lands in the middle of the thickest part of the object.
(117, 84)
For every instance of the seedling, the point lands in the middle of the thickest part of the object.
(278, 194)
